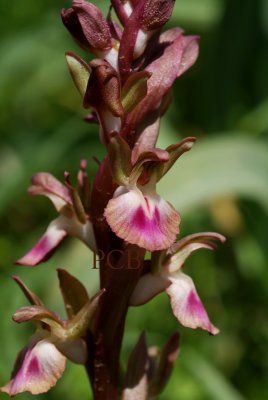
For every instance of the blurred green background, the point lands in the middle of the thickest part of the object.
(221, 185)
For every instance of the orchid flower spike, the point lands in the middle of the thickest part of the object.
(42, 362)
(136, 213)
(73, 206)
(166, 275)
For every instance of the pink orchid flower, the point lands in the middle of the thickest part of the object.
(167, 276)
(74, 219)
(42, 362)
(136, 213)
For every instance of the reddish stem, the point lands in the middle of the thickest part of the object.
(120, 268)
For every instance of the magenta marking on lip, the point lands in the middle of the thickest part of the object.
(148, 226)
(196, 306)
(33, 368)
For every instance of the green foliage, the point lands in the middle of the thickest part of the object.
(222, 185)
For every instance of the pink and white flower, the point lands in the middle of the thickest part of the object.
(136, 213)
(74, 219)
(42, 362)
(38, 367)
(166, 275)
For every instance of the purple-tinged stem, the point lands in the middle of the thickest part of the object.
(120, 269)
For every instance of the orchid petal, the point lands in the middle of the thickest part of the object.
(182, 249)
(186, 304)
(164, 70)
(150, 222)
(38, 369)
(205, 238)
(176, 261)
(190, 53)
(175, 151)
(47, 185)
(145, 169)
(38, 313)
(148, 136)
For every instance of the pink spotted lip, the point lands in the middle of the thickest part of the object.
(151, 223)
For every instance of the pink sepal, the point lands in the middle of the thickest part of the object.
(148, 286)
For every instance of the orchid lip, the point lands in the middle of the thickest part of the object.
(148, 221)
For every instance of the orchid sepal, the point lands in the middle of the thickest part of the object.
(175, 151)
(166, 360)
(136, 381)
(31, 296)
(120, 159)
(74, 293)
(79, 70)
(134, 90)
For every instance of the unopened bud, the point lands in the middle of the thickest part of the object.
(87, 25)
(156, 13)
(103, 90)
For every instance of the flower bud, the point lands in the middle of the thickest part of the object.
(103, 90)
(88, 26)
(156, 13)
